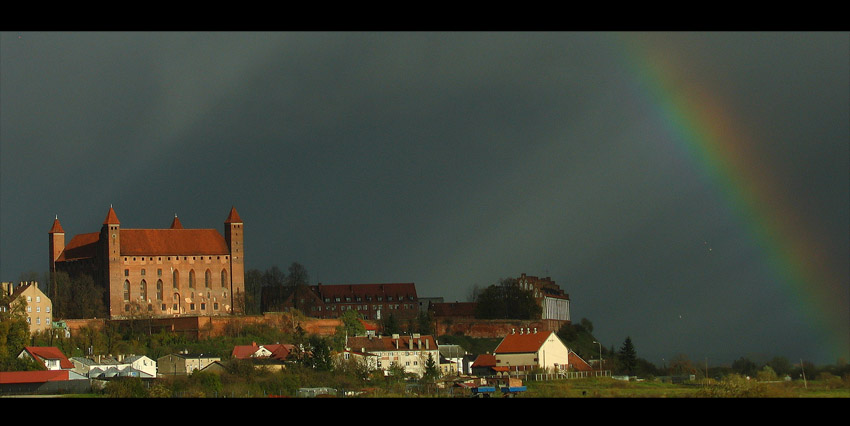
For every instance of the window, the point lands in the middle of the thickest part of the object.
(207, 278)
(158, 289)
(192, 278)
(126, 272)
(224, 278)
(126, 290)
(175, 279)
(143, 290)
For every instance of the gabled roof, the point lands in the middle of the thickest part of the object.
(577, 363)
(523, 342)
(485, 360)
(42, 353)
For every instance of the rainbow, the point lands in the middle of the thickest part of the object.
(722, 150)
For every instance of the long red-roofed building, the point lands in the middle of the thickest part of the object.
(161, 272)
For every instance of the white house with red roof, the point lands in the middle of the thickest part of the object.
(50, 356)
(528, 349)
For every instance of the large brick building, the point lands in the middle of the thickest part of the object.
(371, 301)
(160, 272)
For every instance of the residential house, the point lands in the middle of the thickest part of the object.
(50, 356)
(369, 360)
(531, 349)
(410, 352)
(38, 306)
(184, 363)
(273, 356)
(452, 360)
(103, 367)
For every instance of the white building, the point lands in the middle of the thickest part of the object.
(410, 352)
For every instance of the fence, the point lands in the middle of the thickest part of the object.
(561, 375)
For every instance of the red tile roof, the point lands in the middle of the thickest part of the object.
(41, 376)
(175, 224)
(388, 343)
(577, 363)
(82, 246)
(172, 242)
(57, 227)
(244, 351)
(522, 343)
(42, 353)
(233, 217)
(485, 360)
(111, 217)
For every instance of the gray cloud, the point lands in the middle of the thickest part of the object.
(447, 159)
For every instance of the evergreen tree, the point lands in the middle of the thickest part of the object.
(431, 371)
(628, 357)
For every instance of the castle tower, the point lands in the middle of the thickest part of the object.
(233, 235)
(56, 244)
(110, 237)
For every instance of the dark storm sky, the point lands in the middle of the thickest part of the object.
(455, 159)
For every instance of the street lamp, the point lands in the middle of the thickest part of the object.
(600, 354)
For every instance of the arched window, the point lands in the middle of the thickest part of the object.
(158, 289)
(224, 278)
(207, 278)
(192, 278)
(143, 290)
(175, 280)
(126, 290)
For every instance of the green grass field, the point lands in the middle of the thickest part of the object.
(727, 388)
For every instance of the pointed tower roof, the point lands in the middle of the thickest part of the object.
(175, 224)
(111, 217)
(233, 217)
(57, 227)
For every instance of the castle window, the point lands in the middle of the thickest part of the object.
(192, 278)
(175, 279)
(126, 272)
(223, 278)
(143, 272)
(126, 291)
(207, 278)
(143, 290)
(158, 289)
(159, 272)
